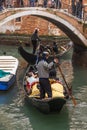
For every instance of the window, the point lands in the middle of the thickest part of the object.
(18, 19)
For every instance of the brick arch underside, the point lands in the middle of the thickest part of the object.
(65, 26)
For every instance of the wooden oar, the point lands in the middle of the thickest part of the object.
(73, 99)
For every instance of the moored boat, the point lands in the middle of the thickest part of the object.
(32, 92)
(8, 69)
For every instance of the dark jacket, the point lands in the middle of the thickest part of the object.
(35, 37)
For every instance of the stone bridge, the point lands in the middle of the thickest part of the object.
(73, 27)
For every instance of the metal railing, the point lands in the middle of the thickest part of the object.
(67, 7)
(85, 13)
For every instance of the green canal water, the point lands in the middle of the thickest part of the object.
(16, 114)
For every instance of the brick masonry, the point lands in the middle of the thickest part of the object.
(27, 24)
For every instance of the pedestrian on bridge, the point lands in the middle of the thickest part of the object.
(79, 7)
(73, 7)
(1, 5)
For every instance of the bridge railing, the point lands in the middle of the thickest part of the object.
(66, 6)
(85, 13)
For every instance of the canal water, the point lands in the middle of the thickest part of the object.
(16, 114)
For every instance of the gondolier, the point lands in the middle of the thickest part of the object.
(34, 39)
(43, 73)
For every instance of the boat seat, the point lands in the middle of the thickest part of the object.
(57, 90)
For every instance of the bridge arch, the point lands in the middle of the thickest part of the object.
(65, 26)
(80, 42)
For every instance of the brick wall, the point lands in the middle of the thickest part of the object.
(29, 23)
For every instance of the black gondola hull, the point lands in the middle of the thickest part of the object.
(47, 106)
(31, 58)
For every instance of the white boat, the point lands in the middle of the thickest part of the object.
(8, 69)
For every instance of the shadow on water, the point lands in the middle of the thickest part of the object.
(78, 119)
(80, 76)
(79, 83)
(6, 97)
(52, 121)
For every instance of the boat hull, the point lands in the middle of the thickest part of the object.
(31, 58)
(47, 106)
(8, 71)
(6, 85)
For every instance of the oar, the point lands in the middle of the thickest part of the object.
(73, 99)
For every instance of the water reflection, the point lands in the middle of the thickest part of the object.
(6, 96)
(51, 121)
(78, 114)
(16, 114)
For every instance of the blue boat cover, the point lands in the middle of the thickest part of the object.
(3, 73)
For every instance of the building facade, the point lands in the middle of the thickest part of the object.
(27, 24)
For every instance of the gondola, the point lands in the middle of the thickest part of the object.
(32, 92)
(31, 58)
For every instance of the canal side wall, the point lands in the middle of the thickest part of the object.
(16, 39)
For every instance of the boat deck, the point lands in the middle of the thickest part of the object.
(8, 64)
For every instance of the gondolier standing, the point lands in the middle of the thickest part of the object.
(43, 68)
(34, 40)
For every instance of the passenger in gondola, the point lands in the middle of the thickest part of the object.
(34, 39)
(31, 78)
(43, 68)
(55, 48)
